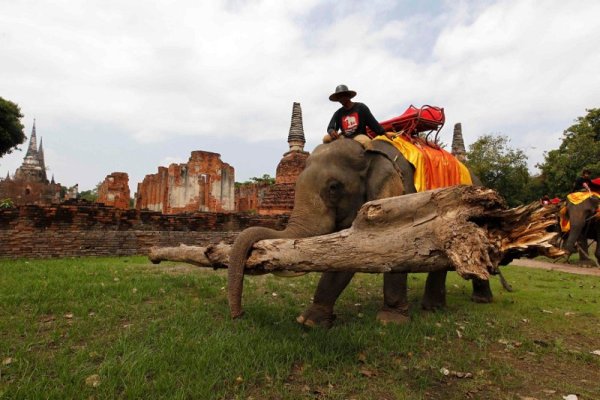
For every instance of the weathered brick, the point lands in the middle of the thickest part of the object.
(82, 228)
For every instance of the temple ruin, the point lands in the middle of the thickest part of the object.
(114, 191)
(29, 184)
(204, 183)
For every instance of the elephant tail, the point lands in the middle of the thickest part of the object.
(504, 282)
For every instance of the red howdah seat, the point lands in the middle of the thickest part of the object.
(415, 120)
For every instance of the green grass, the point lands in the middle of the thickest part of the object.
(164, 332)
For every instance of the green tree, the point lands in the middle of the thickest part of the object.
(501, 167)
(579, 149)
(90, 195)
(11, 128)
(266, 178)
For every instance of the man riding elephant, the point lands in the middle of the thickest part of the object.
(352, 119)
(339, 178)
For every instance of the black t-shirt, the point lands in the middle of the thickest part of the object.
(354, 121)
(579, 183)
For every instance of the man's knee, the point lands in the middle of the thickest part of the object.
(364, 140)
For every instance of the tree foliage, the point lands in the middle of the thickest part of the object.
(90, 195)
(580, 148)
(11, 128)
(502, 168)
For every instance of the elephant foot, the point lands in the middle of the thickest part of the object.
(396, 317)
(481, 299)
(317, 316)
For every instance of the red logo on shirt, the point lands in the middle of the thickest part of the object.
(350, 122)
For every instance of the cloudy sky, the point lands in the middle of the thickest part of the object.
(130, 85)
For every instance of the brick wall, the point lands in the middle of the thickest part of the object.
(25, 192)
(114, 191)
(81, 229)
(204, 183)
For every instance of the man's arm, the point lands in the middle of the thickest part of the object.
(332, 128)
(371, 122)
(587, 186)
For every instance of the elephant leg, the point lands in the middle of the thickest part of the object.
(435, 291)
(482, 292)
(395, 301)
(330, 287)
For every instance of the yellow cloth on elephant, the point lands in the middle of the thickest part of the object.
(434, 168)
(578, 197)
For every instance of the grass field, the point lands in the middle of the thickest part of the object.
(103, 328)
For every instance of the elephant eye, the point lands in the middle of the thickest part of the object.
(335, 188)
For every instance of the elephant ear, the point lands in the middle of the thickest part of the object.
(385, 175)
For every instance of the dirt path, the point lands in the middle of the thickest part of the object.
(571, 269)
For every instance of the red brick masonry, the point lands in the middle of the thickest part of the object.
(86, 229)
(114, 191)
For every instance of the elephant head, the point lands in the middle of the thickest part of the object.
(583, 223)
(338, 179)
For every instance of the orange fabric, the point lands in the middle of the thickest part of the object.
(434, 167)
(565, 225)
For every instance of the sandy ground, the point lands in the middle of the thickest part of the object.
(568, 268)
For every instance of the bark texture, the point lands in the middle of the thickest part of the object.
(462, 228)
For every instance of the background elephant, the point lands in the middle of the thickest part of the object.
(584, 225)
(338, 179)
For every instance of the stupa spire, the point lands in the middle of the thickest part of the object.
(41, 159)
(458, 143)
(32, 149)
(296, 138)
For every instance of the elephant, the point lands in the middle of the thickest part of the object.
(585, 225)
(338, 179)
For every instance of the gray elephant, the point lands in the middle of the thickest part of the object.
(585, 225)
(338, 179)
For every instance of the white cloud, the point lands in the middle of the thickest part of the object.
(167, 77)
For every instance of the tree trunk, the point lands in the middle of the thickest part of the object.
(465, 228)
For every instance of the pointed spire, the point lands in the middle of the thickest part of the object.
(7, 176)
(41, 161)
(41, 154)
(32, 149)
(296, 138)
(458, 143)
(33, 167)
(52, 181)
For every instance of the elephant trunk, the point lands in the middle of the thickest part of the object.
(309, 218)
(237, 259)
(573, 237)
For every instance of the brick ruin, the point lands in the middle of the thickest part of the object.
(80, 228)
(201, 192)
(458, 143)
(114, 191)
(204, 183)
(30, 184)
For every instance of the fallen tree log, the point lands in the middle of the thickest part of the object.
(462, 228)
